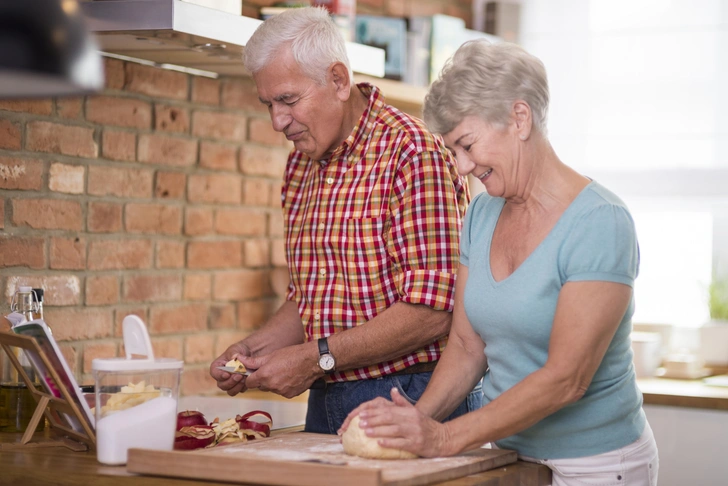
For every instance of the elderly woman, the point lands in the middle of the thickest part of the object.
(543, 301)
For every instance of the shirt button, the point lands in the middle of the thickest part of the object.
(322, 271)
(317, 316)
(330, 180)
(322, 226)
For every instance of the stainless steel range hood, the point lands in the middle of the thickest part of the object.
(184, 34)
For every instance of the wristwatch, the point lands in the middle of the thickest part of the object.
(326, 360)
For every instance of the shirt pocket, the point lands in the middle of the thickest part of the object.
(366, 263)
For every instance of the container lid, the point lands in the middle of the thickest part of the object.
(139, 353)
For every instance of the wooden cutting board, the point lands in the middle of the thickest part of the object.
(305, 459)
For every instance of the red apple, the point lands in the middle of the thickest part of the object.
(188, 418)
(193, 437)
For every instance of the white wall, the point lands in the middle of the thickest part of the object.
(692, 445)
(639, 103)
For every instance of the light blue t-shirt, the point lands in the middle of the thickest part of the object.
(594, 239)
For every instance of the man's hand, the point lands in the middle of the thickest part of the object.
(232, 383)
(288, 372)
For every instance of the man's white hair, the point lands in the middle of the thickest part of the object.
(310, 33)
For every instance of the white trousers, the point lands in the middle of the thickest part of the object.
(636, 464)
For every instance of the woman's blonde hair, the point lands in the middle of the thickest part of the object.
(485, 79)
(312, 35)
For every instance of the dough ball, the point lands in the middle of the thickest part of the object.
(357, 443)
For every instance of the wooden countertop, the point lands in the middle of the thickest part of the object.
(683, 393)
(62, 467)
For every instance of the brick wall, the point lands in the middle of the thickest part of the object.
(160, 197)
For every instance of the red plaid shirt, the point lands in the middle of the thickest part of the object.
(377, 223)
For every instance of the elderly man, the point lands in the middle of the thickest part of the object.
(373, 207)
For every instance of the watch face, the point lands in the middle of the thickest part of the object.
(326, 362)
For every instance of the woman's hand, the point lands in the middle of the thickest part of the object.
(399, 425)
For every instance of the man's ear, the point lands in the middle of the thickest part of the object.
(340, 77)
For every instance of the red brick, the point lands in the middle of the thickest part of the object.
(19, 251)
(242, 222)
(197, 382)
(254, 313)
(170, 185)
(219, 125)
(60, 290)
(104, 217)
(178, 318)
(226, 338)
(199, 348)
(242, 94)
(222, 317)
(214, 188)
(119, 254)
(114, 73)
(23, 174)
(152, 288)
(205, 90)
(70, 108)
(120, 112)
(65, 178)
(197, 286)
(214, 254)
(241, 285)
(198, 221)
(163, 149)
(54, 138)
(121, 313)
(168, 348)
(120, 181)
(170, 254)
(153, 218)
(156, 82)
(93, 351)
(118, 145)
(47, 214)
(171, 119)
(263, 161)
(80, 324)
(257, 192)
(102, 290)
(9, 135)
(35, 107)
(218, 156)
(2, 213)
(256, 253)
(260, 130)
(278, 253)
(279, 280)
(275, 224)
(68, 253)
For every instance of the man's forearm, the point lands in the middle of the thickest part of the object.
(283, 329)
(400, 330)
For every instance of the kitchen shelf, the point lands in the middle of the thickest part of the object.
(189, 35)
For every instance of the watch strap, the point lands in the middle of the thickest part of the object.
(323, 346)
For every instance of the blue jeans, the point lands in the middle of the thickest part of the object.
(328, 407)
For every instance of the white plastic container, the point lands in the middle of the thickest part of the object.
(136, 398)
